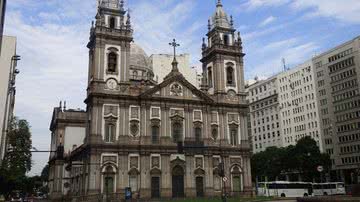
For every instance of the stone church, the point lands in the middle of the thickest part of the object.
(166, 139)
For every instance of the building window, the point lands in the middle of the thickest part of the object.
(210, 77)
(197, 134)
(110, 133)
(214, 133)
(109, 177)
(233, 135)
(112, 62)
(226, 39)
(155, 134)
(177, 130)
(133, 182)
(112, 22)
(230, 76)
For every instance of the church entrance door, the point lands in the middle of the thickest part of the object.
(178, 182)
(199, 186)
(155, 187)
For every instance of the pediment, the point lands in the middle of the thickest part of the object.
(177, 87)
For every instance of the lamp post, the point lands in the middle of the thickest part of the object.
(10, 90)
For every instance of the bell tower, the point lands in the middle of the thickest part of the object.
(109, 45)
(222, 56)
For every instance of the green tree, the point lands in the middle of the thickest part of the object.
(303, 158)
(17, 161)
(45, 173)
(309, 158)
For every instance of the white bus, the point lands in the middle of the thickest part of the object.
(328, 188)
(284, 189)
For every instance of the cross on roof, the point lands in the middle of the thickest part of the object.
(174, 63)
(174, 44)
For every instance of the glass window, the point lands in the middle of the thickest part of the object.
(177, 131)
(110, 132)
(155, 134)
(233, 136)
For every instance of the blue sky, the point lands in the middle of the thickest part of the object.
(52, 37)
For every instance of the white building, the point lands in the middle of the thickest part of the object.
(298, 105)
(7, 98)
(160, 65)
(283, 109)
(264, 114)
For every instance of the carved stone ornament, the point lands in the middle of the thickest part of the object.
(214, 133)
(111, 84)
(134, 128)
(111, 110)
(155, 162)
(235, 161)
(176, 89)
(134, 162)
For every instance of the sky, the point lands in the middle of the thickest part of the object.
(52, 37)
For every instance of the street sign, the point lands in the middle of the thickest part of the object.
(225, 179)
(320, 168)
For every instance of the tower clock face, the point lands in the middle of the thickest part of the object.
(111, 84)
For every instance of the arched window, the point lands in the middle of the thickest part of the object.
(155, 134)
(112, 62)
(109, 176)
(226, 39)
(233, 136)
(230, 76)
(112, 22)
(197, 134)
(110, 133)
(210, 77)
(177, 130)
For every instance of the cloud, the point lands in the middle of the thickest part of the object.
(253, 4)
(267, 21)
(53, 67)
(293, 52)
(346, 11)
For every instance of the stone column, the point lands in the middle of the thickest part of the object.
(166, 180)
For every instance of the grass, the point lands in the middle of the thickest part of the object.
(255, 199)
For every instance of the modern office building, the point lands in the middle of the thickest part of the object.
(264, 114)
(2, 19)
(283, 109)
(337, 74)
(8, 62)
(298, 107)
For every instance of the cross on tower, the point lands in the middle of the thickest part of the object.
(174, 63)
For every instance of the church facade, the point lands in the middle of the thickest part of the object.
(162, 140)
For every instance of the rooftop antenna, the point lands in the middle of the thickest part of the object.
(284, 64)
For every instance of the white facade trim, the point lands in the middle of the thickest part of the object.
(227, 88)
(117, 129)
(118, 53)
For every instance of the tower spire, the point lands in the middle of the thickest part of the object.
(219, 4)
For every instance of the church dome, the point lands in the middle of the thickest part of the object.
(220, 18)
(138, 58)
(140, 68)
